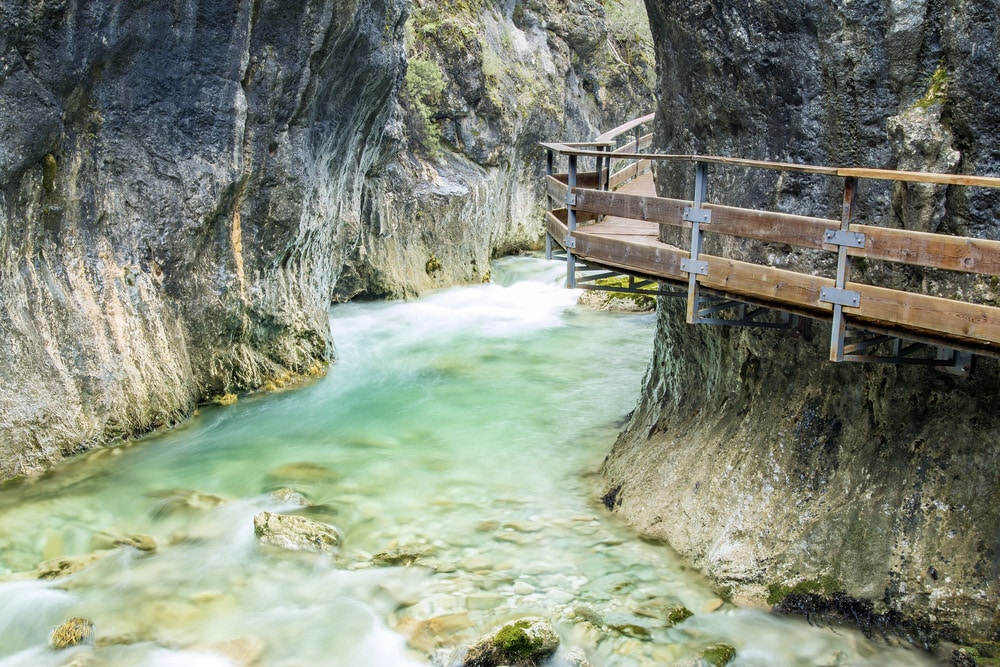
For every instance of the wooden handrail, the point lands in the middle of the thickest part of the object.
(957, 323)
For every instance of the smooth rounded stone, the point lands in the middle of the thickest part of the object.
(242, 651)
(287, 496)
(483, 601)
(73, 632)
(560, 596)
(67, 565)
(186, 501)
(713, 605)
(429, 634)
(525, 642)
(576, 657)
(302, 471)
(523, 588)
(487, 526)
(295, 533)
(401, 557)
(140, 541)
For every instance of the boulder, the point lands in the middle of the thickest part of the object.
(522, 643)
(295, 533)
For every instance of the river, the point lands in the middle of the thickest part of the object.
(461, 431)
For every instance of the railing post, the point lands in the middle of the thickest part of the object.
(570, 242)
(697, 216)
(549, 170)
(839, 327)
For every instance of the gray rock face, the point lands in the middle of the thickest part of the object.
(177, 189)
(487, 83)
(183, 189)
(750, 453)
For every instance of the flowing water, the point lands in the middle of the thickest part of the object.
(457, 436)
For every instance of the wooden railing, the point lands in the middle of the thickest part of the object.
(588, 196)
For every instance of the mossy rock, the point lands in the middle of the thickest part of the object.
(678, 614)
(523, 643)
(225, 399)
(73, 632)
(823, 585)
(719, 654)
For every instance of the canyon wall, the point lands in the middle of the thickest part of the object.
(753, 456)
(185, 187)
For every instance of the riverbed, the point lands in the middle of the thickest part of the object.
(453, 444)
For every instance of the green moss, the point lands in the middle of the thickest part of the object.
(678, 614)
(49, 173)
(422, 90)
(937, 89)
(517, 644)
(823, 585)
(719, 654)
(433, 265)
(641, 300)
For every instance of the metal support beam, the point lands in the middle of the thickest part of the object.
(839, 327)
(571, 225)
(694, 214)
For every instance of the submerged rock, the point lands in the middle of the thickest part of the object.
(73, 632)
(183, 500)
(67, 565)
(523, 643)
(295, 533)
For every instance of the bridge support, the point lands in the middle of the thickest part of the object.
(839, 297)
(697, 216)
(569, 242)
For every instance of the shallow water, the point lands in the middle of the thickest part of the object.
(462, 430)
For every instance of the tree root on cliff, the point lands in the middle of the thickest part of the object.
(839, 607)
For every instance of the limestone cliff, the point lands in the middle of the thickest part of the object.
(184, 187)
(487, 81)
(751, 454)
(175, 185)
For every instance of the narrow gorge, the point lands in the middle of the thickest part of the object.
(186, 188)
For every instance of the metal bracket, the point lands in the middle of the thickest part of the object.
(841, 238)
(693, 214)
(843, 297)
(695, 266)
(569, 242)
(570, 199)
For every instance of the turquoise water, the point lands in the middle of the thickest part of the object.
(461, 431)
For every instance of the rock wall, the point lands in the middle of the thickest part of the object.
(185, 187)
(752, 455)
(487, 82)
(178, 187)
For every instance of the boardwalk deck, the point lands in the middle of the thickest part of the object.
(618, 227)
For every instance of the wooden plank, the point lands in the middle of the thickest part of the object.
(926, 314)
(651, 258)
(776, 286)
(584, 179)
(940, 251)
(645, 141)
(656, 209)
(797, 230)
(922, 177)
(556, 189)
(622, 129)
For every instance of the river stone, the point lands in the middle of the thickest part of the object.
(183, 500)
(289, 497)
(429, 634)
(242, 651)
(295, 533)
(67, 565)
(73, 632)
(404, 556)
(523, 643)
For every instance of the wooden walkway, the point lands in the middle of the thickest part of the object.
(611, 218)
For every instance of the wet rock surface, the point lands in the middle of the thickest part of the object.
(750, 453)
(295, 533)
